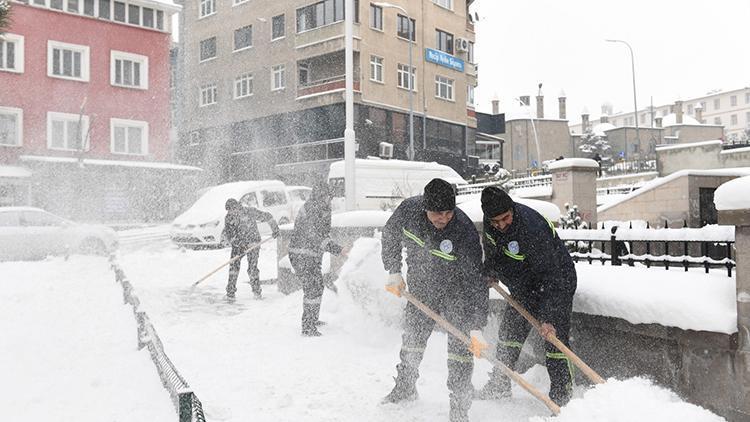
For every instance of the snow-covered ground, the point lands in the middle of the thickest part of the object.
(247, 361)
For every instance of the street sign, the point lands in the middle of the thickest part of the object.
(443, 59)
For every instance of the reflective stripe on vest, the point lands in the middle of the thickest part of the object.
(441, 254)
(518, 257)
(459, 358)
(413, 237)
(412, 349)
(487, 235)
(438, 253)
(562, 356)
(551, 226)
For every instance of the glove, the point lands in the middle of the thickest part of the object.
(396, 284)
(478, 343)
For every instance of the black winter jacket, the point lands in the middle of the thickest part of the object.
(312, 229)
(241, 228)
(443, 265)
(531, 260)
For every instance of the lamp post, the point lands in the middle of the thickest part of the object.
(386, 5)
(349, 138)
(635, 103)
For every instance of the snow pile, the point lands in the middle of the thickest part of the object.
(573, 162)
(635, 399)
(472, 206)
(733, 195)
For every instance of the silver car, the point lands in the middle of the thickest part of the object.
(32, 233)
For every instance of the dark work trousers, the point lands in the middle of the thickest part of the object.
(252, 268)
(417, 330)
(308, 270)
(514, 329)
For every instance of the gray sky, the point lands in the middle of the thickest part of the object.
(682, 49)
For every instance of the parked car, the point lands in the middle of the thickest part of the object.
(297, 195)
(201, 225)
(32, 233)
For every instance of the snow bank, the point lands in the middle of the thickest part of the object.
(733, 195)
(709, 233)
(635, 399)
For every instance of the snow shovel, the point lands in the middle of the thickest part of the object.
(253, 246)
(478, 350)
(590, 373)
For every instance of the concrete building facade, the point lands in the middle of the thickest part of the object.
(264, 82)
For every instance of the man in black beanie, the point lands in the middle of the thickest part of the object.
(444, 259)
(522, 249)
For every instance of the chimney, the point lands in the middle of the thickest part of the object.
(604, 119)
(678, 111)
(525, 100)
(657, 121)
(699, 113)
(495, 107)
(540, 106)
(584, 121)
(561, 105)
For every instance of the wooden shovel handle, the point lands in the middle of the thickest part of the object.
(253, 246)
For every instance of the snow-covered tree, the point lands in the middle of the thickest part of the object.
(4, 16)
(594, 145)
(572, 219)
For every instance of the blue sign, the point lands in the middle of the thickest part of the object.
(443, 59)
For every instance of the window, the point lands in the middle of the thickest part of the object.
(733, 120)
(717, 103)
(66, 131)
(733, 101)
(208, 49)
(444, 87)
(11, 126)
(278, 27)
(207, 7)
(129, 70)
(444, 41)
(470, 95)
(323, 13)
(128, 137)
(134, 14)
(236, 2)
(278, 77)
(249, 200)
(303, 73)
(376, 17)
(243, 86)
(11, 53)
(56, 4)
(747, 119)
(406, 28)
(105, 7)
(88, 7)
(209, 94)
(376, 68)
(67, 61)
(747, 98)
(470, 52)
(643, 118)
(404, 81)
(273, 198)
(448, 4)
(717, 120)
(73, 6)
(243, 38)
(119, 11)
(690, 109)
(148, 17)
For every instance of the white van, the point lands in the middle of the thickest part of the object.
(383, 184)
(203, 222)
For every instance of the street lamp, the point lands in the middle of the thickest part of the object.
(635, 103)
(386, 5)
(349, 135)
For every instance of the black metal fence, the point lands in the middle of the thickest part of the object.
(189, 408)
(707, 247)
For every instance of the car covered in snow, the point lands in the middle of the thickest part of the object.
(32, 233)
(297, 196)
(201, 225)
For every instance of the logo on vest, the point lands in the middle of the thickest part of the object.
(446, 246)
(513, 247)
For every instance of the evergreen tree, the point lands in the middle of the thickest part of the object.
(593, 145)
(4, 16)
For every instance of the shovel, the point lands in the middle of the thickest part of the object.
(253, 246)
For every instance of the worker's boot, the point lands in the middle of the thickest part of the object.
(561, 395)
(460, 404)
(406, 385)
(310, 313)
(498, 387)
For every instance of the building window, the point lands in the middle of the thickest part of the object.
(119, 11)
(404, 81)
(323, 13)
(470, 52)
(129, 70)
(717, 103)
(134, 14)
(208, 49)
(105, 9)
(690, 109)
(67, 61)
(209, 95)
(406, 28)
(444, 87)
(128, 137)
(148, 17)
(717, 120)
(470, 95)
(88, 7)
(376, 69)
(278, 77)
(11, 126)
(747, 119)
(208, 7)
(489, 150)
(278, 27)
(11, 53)
(66, 131)
(747, 98)
(643, 118)
(243, 86)
(303, 74)
(733, 120)
(444, 41)
(376, 17)
(243, 38)
(733, 101)
(448, 4)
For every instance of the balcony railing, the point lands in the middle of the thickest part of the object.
(324, 85)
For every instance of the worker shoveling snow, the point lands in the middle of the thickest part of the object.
(363, 277)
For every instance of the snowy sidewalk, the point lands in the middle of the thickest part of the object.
(69, 347)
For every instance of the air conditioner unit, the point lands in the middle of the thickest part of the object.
(386, 150)
(462, 44)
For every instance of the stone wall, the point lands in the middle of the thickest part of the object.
(699, 156)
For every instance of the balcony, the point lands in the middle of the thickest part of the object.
(322, 86)
(324, 39)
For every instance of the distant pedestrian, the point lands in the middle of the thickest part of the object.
(241, 232)
(310, 239)
(444, 259)
(598, 159)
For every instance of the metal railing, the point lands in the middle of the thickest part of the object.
(474, 187)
